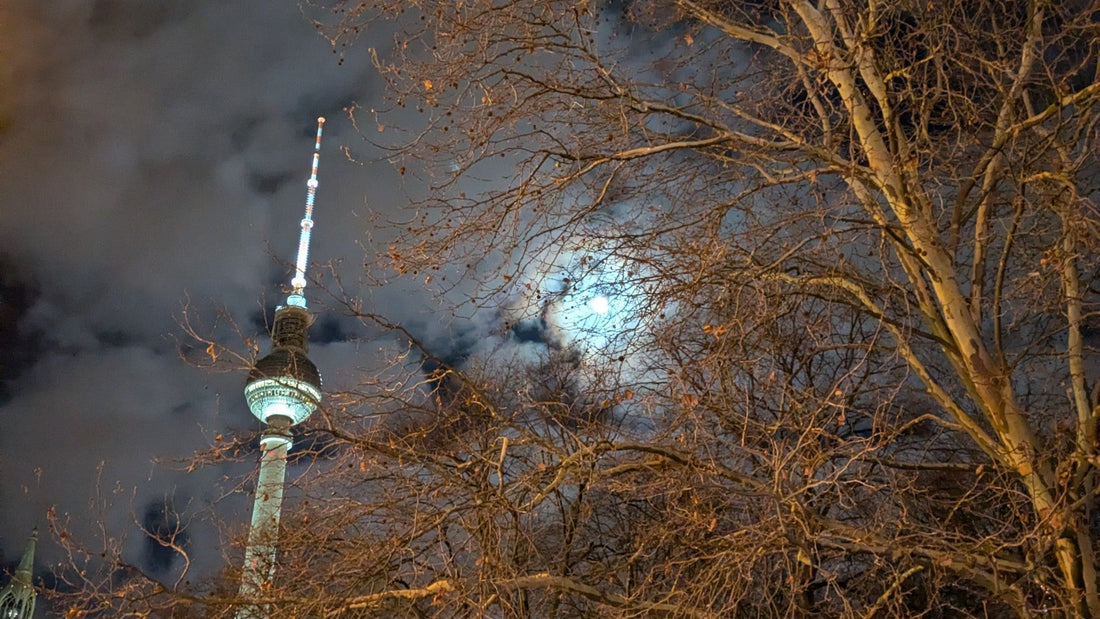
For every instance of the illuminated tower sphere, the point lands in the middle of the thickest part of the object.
(283, 389)
(17, 598)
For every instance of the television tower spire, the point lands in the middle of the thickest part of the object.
(283, 389)
(298, 282)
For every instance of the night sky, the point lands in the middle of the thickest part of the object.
(153, 157)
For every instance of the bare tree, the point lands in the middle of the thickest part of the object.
(851, 373)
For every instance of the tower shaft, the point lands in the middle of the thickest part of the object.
(263, 536)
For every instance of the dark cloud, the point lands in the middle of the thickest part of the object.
(328, 329)
(530, 330)
(168, 537)
(20, 349)
(269, 183)
(120, 19)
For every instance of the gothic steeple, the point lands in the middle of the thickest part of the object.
(17, 598)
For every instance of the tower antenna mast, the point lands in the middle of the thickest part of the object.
(283, 390)
(298, 282)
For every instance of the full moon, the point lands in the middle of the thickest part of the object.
(599, 305)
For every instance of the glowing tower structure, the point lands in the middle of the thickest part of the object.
(17, 598)
(283, 389)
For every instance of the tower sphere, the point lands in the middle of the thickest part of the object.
(284, 383)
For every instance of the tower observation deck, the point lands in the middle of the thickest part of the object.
(283, 390)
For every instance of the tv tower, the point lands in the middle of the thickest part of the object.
(283, 389)
(17, 598)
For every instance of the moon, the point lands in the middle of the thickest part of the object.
(600, 305)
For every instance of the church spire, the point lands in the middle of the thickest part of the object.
(283, 389)
(17, 598)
